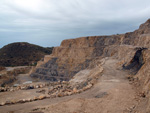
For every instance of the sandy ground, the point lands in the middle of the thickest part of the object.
(111, 94)
(23, 78)
(17, 67)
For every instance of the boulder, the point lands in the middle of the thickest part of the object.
(74, 90)
(41, 97)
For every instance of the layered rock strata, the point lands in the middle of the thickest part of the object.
(74, 55)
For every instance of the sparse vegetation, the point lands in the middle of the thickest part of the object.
(21, 54)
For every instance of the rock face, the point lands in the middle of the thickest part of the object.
(143, 79)
(74, 55)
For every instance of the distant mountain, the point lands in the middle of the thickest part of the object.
(22, 53)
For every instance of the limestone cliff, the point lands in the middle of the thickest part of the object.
(73, 55)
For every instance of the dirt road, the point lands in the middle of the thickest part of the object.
(111, 94)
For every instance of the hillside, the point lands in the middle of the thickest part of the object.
(22, 54)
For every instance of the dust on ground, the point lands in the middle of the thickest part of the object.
(111, 94)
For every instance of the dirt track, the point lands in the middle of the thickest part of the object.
(111, 94)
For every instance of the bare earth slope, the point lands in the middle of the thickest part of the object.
(112, 93)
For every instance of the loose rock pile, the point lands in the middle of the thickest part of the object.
(56, 89)
(27, 87)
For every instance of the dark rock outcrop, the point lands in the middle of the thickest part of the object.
(74, 55)
(137, 62)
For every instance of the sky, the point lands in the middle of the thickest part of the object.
(48, 22)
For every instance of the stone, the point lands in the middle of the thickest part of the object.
(13, 102)
(7, 102)
(89, 86)
(60, 95)
(41, 91)
(23, 87)
(74, 90)
(84, 88)
(22, 101)
(2, 90)
(48, 96)
(41, 97)
(29, 87)
(64, 82)
(28, 100)
(36, 98)
(41, 86)
(53, 95)
(2, 104)
(69, 93)
(11, 89)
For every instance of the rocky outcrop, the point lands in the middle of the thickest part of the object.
(137, 61)
(74, 55)
(138, 37)
(142, 81)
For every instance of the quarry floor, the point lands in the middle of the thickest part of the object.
(112, 93)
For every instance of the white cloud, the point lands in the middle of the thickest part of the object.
(70, 18)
